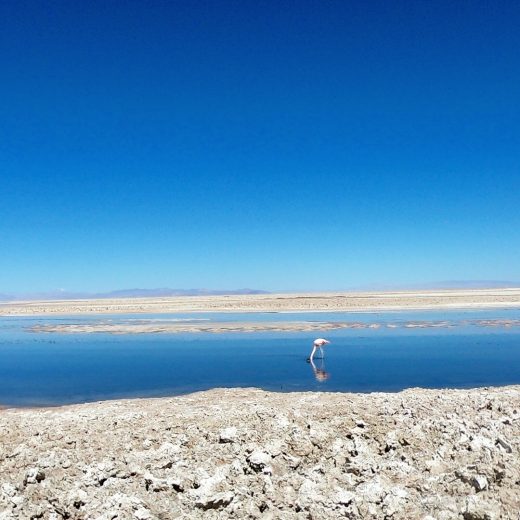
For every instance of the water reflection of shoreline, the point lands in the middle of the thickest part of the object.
(320, 373)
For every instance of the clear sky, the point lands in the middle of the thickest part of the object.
(315, 145)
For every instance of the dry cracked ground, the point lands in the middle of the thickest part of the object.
(245, 453)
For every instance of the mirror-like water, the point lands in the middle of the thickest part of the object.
(56, 368)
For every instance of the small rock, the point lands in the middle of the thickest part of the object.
(143, 514)
(216, 501)
(155, 484)
(8, 489)
(344, 497)
(480, 482)
(258, 460)
(17, 500)
(34, 476)
(292, 462)
(503, 444)
(228, 435)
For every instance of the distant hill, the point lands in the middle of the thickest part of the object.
(137, 293)
(127, 293)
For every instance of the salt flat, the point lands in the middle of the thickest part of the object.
(344, 301)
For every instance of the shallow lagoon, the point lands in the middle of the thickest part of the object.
(54, 368)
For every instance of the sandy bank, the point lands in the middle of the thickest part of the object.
(158, 326)
(450, 454)
(481, 298)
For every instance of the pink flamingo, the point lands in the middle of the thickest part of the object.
(319, 343)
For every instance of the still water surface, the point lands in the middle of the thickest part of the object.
(53, 368)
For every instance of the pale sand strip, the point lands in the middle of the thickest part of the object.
(152, 327)
(366, 301)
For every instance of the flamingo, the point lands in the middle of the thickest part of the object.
(319, 343)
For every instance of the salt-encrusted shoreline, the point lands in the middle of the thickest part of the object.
(246, 453)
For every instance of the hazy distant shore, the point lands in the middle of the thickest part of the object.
(313, 302)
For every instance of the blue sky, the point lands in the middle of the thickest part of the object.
(275, 145)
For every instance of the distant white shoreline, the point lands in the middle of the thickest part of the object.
(276, 303)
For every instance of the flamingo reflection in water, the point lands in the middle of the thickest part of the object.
(319, 373)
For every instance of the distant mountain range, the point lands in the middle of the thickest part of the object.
(165, 292)
(126, 293)
(136, 293)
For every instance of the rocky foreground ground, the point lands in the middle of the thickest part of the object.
(419, 454)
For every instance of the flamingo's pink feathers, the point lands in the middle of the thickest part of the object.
(320, 342)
